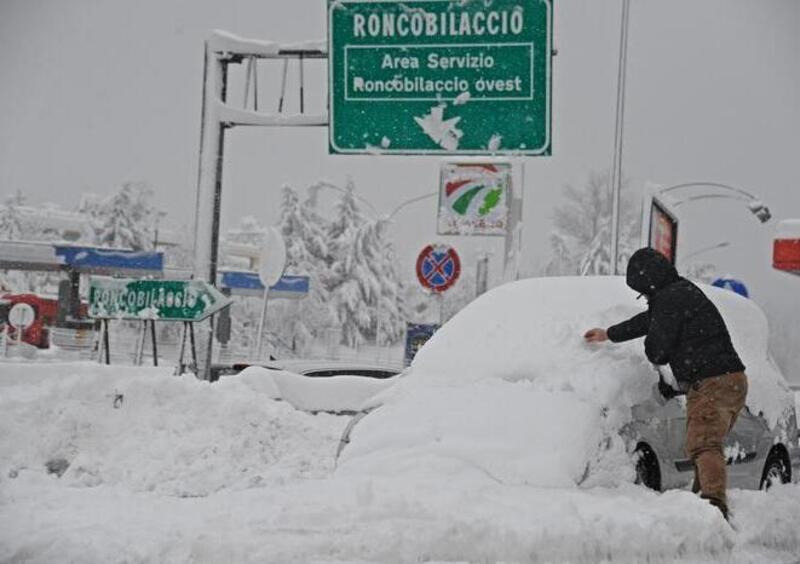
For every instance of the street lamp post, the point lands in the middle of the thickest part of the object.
(721, 245)
(660, 195)
(619, 129)
(754, 204)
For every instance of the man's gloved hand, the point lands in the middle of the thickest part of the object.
(666, 391)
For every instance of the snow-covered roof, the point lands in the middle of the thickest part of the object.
(788, 229)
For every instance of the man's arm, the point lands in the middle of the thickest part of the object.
(635, 327)
(666, 322)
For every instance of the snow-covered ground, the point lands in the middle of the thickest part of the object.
(157, 468)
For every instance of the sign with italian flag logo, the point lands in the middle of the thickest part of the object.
(473, 198)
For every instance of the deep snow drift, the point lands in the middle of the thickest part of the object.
(183, 471)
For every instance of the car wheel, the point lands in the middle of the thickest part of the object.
(776, 471)
(648, 472)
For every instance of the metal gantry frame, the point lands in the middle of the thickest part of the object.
(218, 115)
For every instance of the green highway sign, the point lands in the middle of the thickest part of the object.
(440, 76)
(160, 300)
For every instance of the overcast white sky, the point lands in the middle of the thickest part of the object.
(93, 93)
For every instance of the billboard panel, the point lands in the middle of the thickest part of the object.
(663, 231)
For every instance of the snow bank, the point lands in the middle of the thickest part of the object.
(147, 430)
(510, 386)
(185, 471)
(459, 517)
(335, 394)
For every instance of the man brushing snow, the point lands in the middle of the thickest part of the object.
(684, 329)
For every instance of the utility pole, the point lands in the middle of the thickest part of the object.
(616, 169)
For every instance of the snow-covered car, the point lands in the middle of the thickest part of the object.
(313, 368)
(509, 387)
(320, 385)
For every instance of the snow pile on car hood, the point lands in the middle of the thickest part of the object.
(510, 386)
(336, 394)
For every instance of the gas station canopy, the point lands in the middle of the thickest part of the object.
(35, 256)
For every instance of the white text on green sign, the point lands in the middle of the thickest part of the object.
(164, 300)
(440, 76)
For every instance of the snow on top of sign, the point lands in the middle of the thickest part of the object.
(788, 229)
(442, 131)
(228, 114)
(222, 40)
(378, 150)
(310, 45)
(494, 142)
(462, 99)
(226, 41)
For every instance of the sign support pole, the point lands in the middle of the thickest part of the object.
(106, 350)
(182, 350)
(194, 347)
(513, 238)
(261, 324)
(140, 338)
(153, 339)
(209, 181)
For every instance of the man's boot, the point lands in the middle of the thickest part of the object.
(696, 482)
(719, 504)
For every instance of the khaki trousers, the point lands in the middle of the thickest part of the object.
(712, 406)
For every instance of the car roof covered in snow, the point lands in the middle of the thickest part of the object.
(533, 328)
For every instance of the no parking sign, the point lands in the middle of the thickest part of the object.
(438, 267)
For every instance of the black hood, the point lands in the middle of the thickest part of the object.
(649, 271)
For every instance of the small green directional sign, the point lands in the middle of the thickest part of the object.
(160, 300)
(440, 76)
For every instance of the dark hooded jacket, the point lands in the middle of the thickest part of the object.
(683, 328)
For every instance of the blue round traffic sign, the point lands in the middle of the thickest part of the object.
(438, 267)
(733, 285)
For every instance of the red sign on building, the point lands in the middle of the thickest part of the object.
(786, 247)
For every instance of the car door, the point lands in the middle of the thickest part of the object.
(675, 422)
(740, 449)
(745, 450)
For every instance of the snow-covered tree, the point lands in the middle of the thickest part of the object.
(91, 208)
(581, 241)
(303, 232)
(127, 218)
(12, 224)
(366, 293)
(349, 279)
(379, 256)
